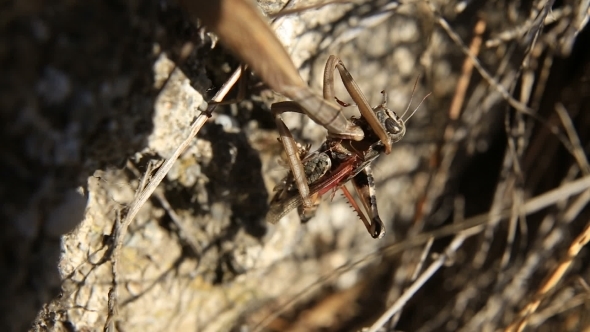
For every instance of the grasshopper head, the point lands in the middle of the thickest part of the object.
(393, 124)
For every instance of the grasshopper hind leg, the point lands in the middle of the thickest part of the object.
(365, 187)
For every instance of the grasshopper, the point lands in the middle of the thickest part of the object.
(337, 161)
(240, 27)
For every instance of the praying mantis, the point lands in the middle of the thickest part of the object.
(352, 144)
(338, 160)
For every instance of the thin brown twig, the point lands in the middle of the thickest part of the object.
(517, 143)
(422, 260)
(466, 71)
(417, 269)
(176, 219)
(183, 233)
(576, 207)
(578, 150)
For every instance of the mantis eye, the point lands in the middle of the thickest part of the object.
(392, 126)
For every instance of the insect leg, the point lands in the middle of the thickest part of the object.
(292, 152)
(357, 95)
(365, 187)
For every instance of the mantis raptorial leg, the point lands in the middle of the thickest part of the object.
(356, 94)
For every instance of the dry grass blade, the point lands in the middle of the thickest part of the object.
(578, 150)
(474, 47)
